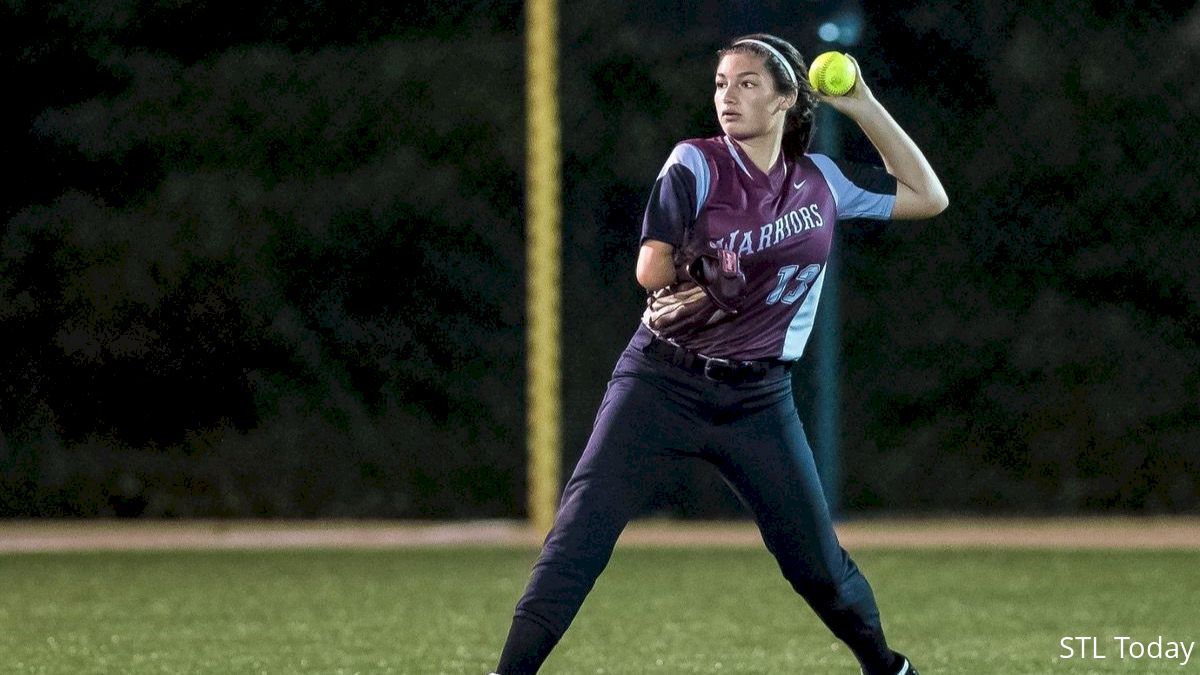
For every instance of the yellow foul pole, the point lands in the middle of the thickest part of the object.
(543, 251)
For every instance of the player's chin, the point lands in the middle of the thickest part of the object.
(737, 130)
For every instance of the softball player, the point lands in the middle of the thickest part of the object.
(734, 244)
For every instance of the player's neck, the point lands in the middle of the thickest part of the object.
(763, 151)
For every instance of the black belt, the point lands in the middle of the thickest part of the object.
(718, 370)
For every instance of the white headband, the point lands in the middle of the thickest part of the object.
(774, 52)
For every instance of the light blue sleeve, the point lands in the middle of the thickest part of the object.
(853, 200)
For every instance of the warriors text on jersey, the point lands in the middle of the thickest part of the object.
(781, 223)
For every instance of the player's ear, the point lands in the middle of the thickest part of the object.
(786, 102)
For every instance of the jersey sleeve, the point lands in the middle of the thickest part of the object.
(859, 190)
(678, 194)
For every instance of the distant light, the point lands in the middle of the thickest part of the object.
(829, 31)
(843, 28)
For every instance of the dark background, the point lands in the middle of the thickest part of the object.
(268, 260)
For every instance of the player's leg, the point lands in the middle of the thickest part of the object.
(766, 459)
(635, 427)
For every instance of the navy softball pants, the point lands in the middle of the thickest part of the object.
(654, 416)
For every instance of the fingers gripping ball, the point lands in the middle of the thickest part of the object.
(832, 74)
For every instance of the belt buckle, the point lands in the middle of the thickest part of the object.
(725, 364)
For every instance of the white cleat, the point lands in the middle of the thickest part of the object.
(905, 669)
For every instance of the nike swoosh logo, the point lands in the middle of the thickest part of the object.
(800, 184)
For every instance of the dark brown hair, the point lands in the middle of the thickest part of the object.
(798, 127)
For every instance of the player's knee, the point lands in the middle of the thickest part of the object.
(822, 585)
(816, 589)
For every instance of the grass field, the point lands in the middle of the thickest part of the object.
(656, 610)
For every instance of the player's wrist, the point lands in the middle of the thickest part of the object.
(861, 106)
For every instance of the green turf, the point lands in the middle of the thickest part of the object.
(654, 611)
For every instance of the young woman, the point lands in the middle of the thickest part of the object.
(734, 244)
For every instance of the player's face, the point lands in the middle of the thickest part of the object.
(748, 105)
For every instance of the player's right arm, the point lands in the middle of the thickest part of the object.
(656, 265)
(675, 200)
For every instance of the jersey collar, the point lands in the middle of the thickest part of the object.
(774, 178)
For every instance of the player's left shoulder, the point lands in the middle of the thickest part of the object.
(803, 167)
(817, 164)
(841, 175)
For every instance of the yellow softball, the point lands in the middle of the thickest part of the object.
(832, 74)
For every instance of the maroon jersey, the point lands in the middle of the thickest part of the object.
(780, 223)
